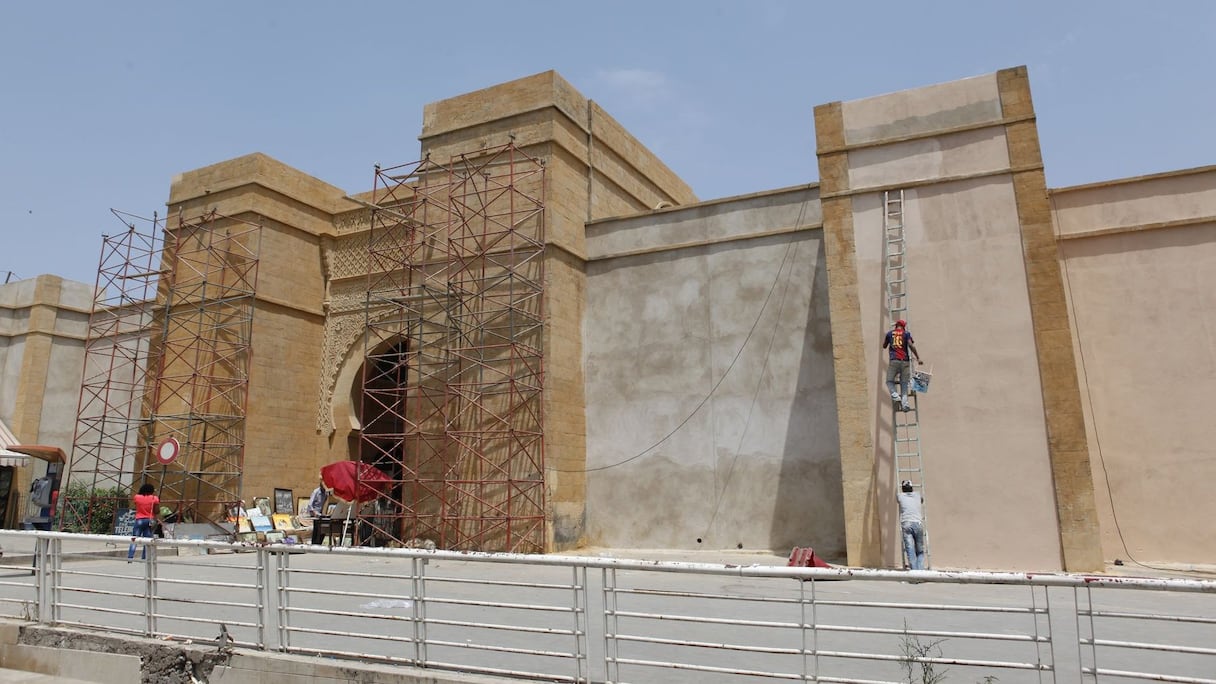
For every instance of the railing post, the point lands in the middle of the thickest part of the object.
(1038, 646)
(1093, 635)
(416, 609)
(420, 612)
(42, 581)
(611, 668)
(812, 626)
(282, 582)
(263, 596)
(579, 578)
(149, 554)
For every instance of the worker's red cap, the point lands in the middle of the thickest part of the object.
(901, 323)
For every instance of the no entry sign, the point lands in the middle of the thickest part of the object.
(167, 451)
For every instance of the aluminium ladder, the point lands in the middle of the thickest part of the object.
(905, 425)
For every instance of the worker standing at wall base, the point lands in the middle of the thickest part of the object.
(912, 525)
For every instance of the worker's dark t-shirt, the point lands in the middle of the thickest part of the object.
(897, 344)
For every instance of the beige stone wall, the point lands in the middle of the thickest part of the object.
(1076, 512)
(863, 527)
(282, 448)
(309, 319)
(1139, 254)
(961, 155)
(710, 412)
(1082, 314)
(1164, 200)
(564, 420)
(43, 325)
(921, 112)
(594, 168)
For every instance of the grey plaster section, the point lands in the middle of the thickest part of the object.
(19, 294)
(6, 386)
(63, 379)
(10, 373)
(69, 323)
(76, 295)
(922, 111)
(706, 222)
(976, 112)
(972, 152)
(75, 303)
(569, 522)
(66, 363)
(711, 414)
(969, 312)
(14, 321)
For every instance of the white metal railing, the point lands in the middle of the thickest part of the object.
(629, 621)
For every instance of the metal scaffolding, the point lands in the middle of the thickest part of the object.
(166, 371)
(451, 406)
(112, 411)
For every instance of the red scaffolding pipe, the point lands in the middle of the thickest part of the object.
(453, 368)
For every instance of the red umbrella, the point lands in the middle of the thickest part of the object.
(355, 480)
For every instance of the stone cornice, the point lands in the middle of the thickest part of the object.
(706, 243)
(1133, 179)
(939, 133)
(933, 181)
(1136, 228)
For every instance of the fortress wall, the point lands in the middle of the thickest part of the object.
(961, 153)
(593, 168)
(710, 410)
(43, 326)
(282, 447)
(1138, 257)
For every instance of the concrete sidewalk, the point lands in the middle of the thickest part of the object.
(715, 557)
(767, 557)
(8, 676)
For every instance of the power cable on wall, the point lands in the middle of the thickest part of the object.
(720, 493)
(701, 404)
(1097, 437)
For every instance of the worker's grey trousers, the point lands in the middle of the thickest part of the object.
(902, 370)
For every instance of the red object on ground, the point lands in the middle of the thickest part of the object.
(804, 557)
(355, 481)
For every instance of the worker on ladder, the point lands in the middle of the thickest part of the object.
(898, 342)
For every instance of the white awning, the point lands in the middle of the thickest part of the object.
(7, 456)
(12, 458)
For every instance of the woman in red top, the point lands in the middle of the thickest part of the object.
(147, 510)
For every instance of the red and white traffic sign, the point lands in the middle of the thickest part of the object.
(167, 451)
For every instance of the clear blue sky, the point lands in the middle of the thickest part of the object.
(101, 103)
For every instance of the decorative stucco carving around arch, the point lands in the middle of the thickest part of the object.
(343, 333)
(342, 349)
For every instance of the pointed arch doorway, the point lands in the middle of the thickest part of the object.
(379, 399)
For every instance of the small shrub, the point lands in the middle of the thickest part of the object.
(917, 663)
(87, 510)
(918, 669)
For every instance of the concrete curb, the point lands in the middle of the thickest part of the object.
(117, 659)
